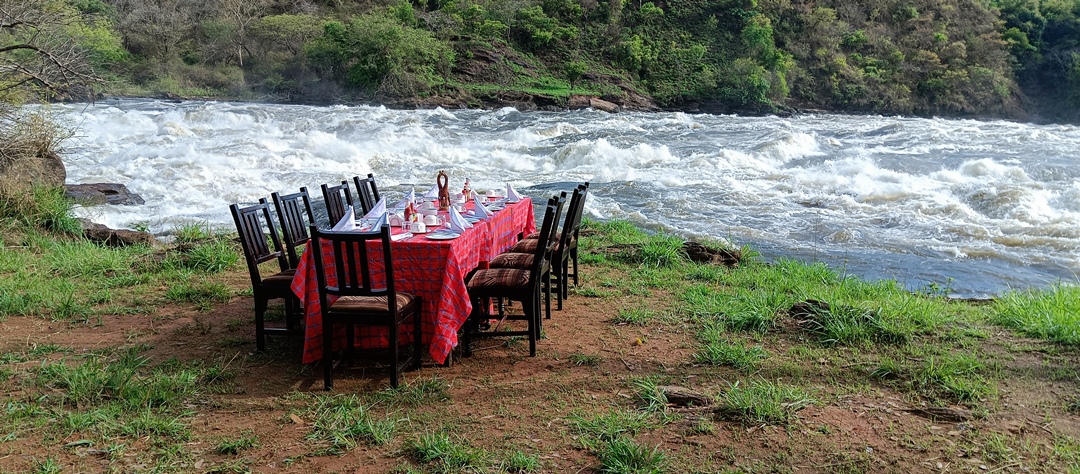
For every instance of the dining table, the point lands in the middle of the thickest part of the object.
(433, 269)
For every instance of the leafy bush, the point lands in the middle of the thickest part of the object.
(380, 55)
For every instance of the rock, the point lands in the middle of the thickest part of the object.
(809, 309)
(102, 193)
(701, 254)
(46, 169)
(684, 397)
(601, 104)
(102, 234)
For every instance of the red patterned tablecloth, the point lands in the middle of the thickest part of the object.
(435, 270)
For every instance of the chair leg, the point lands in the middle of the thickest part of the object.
(557, 277)
(564, 286)
(260, 313)
(573, 256)
(532, 314)
(547, 296)
(328, 354)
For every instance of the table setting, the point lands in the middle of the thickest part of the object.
(437, 239)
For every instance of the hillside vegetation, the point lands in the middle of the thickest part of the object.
(1004, 58)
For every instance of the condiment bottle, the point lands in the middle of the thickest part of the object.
(466, 191)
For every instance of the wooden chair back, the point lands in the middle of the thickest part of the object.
(336, 199)
(367, 191)
(352, 265)
(547, 239)
(291, 210)
(253, 224)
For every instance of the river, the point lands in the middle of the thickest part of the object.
(976, 207)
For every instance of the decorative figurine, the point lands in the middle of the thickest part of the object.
(443, 181)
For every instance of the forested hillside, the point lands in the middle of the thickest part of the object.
(1004, 58)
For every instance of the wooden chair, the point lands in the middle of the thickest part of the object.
(291, 209)
(516, 284)
(250, 222)
(367, 191)
(562, 252)
(357, 302)
(335, 203)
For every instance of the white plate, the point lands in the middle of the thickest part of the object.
(443, 236)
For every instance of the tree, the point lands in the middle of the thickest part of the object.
(37, 55)
(242, 14)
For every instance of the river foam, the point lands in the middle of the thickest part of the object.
(977, 206)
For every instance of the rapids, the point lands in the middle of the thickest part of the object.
(975, 207)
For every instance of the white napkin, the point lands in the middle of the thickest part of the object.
(379, 223)
(377, 210)
(402, 204)
(401, 236)
(479, 210)
(346, 223)
(457, 223)
(433, 192)
(511, 194)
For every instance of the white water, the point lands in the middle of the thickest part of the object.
(976, 206)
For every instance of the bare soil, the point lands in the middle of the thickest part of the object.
(501, 399)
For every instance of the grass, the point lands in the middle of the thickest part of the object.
(1052, 314)
(624, 456)
(868, 340)
(742, 357)
(763, 402)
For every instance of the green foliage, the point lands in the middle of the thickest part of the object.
(380, 55)
(341, 421)
(1052, 314)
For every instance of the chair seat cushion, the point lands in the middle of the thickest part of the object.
(534, 235)
(282, 278)
(513, 260)
(370, 304)
(498, 280)
(529, 246)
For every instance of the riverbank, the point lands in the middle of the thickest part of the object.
(143, 359)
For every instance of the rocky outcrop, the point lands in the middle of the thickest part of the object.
(46, 169)
(102, 234)
(96, 194)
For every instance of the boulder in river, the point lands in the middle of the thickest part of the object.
(102, 193)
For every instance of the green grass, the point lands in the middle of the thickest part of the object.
(444, 454)
(232, 447)
(340, 422)
(742, 357)
(202, 294)
(610, 425)
(591, 360)
(763, 402)
(634, 316)
(955, 377)
(1052, 314)
(624, 456)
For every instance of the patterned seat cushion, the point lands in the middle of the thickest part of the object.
(283, 278)
(534, 235)
(529, 246)
(370, 304)
(513, 260)
(495, 280)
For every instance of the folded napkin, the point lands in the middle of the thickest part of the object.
(346, 223)
(401, 236)
(479, 209)
(511, 194)
(402, 204)
(433, 192)
(379, 223)
(457, 223)
(377, 210)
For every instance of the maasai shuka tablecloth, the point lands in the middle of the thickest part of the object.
(434, 270)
